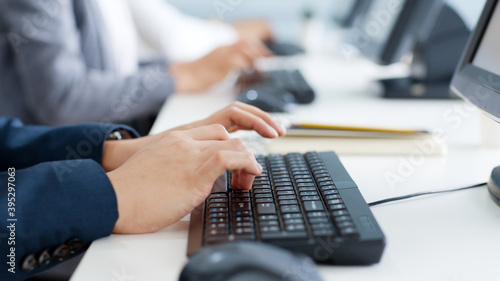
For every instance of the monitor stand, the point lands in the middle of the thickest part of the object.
(409, 88)
(494, 185)
(438, 51)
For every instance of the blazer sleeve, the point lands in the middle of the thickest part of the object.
(59, 86)
(50, 219)
(24, 146)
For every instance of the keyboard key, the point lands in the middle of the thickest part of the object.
(345, 224)
(336, 207)
(295, 227)
(264, 200)
(269, 223)
(217, 215)
(215, 200)
(217, 232)
(327, 187)
(267, 217)
(287, 197)
(243, 213)
(243, 230)
(317, 226)
(289, 202)
(243, 219)
(286, 192)
(349, 232)
(263, 195)
(241, 206)
(329, 192)
(290, 209)
(335, 201)
(241, 200)
(318, 220)
(262, 190)
(309, 193)
(309, 198)
(323, 232)
(340, 213)
(292, 216)
(283, 184)
(266, 209)
(316, 214)
(217, 210)
(310, 206)
(307, 188)
(294, 221)
(267, 229)
(217, 205)
(284, 188)
(217, 226)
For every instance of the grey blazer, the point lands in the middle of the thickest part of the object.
(56, 69)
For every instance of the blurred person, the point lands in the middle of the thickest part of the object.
(65, 62)
(68, 186)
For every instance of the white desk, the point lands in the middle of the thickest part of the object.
(451, 237)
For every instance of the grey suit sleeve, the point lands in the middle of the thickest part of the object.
(58, 85)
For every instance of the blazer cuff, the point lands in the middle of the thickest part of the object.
(58, 216)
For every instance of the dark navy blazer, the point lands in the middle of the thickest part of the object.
(63, 198)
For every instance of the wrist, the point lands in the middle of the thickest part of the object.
(183, 77)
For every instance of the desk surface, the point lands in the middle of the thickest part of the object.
(449, 237)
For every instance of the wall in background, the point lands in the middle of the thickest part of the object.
(286, 16)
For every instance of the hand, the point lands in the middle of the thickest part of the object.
(254, 28)
(199, 75)
(240, 116)
(237, 116)
(166, 180)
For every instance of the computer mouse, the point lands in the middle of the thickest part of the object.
(494, 185)
(268, 98)
(248, 261)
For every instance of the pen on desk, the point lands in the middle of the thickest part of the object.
(354, 128)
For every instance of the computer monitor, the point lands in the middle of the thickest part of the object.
(390, 28)
(432, 31)
(477, 78)
(348, 12)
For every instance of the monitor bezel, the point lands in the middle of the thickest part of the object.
(472, 83)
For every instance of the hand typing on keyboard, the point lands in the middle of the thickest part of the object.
(160, 179)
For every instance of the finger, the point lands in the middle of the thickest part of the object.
(241, 62)
(211, 147)
(275, 124)
(224, 160)
(242, 180)
(210, 132)
(256, 48)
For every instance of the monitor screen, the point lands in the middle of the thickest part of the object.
(381, 18)
(477, 78)
(348, 12)
(389, 28)
(487, 56)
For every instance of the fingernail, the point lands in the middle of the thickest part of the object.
(273, 131)
(259, 167)
(280, 125)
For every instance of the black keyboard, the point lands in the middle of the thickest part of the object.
(306, 203)
(291, 81)
(284, 49)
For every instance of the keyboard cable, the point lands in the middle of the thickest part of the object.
(404, 197)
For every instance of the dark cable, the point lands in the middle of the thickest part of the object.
(399, 198)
